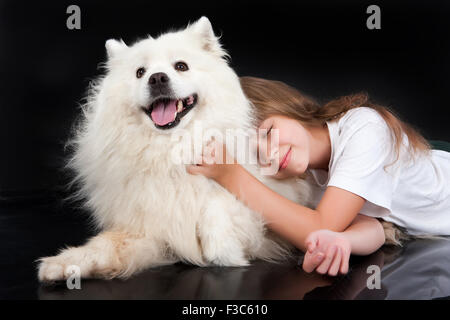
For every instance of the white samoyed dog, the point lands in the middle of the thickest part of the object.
(149, 210)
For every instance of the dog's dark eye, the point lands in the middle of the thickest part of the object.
(140, 72)
(181, 66)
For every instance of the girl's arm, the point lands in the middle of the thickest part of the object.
(337, 209)
(365, 234)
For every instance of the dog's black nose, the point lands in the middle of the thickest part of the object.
(158, 80)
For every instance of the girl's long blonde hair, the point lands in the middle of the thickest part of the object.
(272, 98)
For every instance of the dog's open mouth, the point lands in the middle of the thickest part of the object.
(166, 112)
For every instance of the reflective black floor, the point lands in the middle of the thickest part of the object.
(37, 226)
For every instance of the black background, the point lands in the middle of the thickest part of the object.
(320, 47)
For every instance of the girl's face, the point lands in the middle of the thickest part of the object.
(293, 151)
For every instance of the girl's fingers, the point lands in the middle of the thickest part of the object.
(325, 265)
(193, 169)
(310, 246)
(345, 262)
(209, 150)
(207, 159)
(311, 261)
(334, 268)
(210, 142)
(312, 242)
(217, 152)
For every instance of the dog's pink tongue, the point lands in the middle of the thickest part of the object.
(163, 114)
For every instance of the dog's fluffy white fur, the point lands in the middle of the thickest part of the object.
(150, 210)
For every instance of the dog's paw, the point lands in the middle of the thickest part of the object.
(69, 261)
(230, 261)
(88, 262)
(226, 254)
(52, 269)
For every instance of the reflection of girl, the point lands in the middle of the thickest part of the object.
(359, 157)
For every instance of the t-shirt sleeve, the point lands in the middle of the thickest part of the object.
(362, 169)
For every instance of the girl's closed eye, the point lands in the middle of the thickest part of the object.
(264, 146)
(269, 131)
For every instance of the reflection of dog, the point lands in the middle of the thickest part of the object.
(150, 210)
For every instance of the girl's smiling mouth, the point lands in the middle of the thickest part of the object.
(286, 159)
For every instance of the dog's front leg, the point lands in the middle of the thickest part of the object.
(219, 242)
(108, 255)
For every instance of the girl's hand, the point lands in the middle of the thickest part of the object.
(327, 252)
(214, 163)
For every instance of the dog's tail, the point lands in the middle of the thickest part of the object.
(397, 236)
(274, 249)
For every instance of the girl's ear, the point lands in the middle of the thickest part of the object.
(203, 29)
(114, 47)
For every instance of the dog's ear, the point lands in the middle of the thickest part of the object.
(114, 47)
(203, 29)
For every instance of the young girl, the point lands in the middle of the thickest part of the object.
(363, 163)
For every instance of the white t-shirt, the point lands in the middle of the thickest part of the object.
(412, 194)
